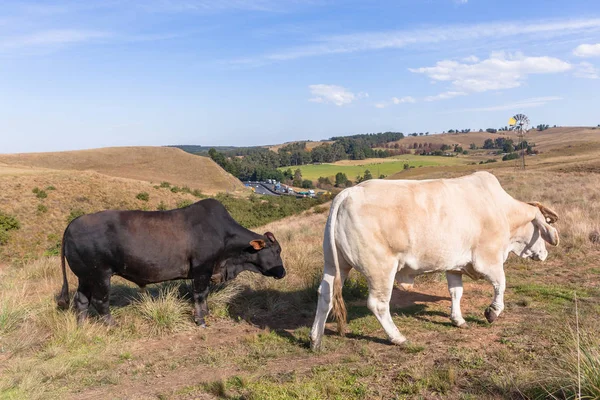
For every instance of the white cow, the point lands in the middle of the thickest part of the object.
(398, 229)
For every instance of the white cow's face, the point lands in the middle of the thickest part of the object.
(529, 241)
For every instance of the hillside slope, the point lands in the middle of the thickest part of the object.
(151, 164)
(546, 140)
(43, 220)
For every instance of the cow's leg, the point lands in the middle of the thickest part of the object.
(200, 293)
(101, 299)
(82, 301)
(325, 302)
(380, 293)
(455, 287)
(497, 278)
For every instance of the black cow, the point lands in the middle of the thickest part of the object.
(145, 247)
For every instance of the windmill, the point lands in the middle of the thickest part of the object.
(520, 124)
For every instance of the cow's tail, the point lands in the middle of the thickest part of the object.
(63, 297)
(339, 307)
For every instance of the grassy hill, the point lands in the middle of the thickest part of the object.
(548, 139)
(551, 142)
(150, 164)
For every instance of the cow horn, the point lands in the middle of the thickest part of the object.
(550, 215)
(271, 237)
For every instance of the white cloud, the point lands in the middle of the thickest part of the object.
(51, 38)
(405, 99)
(445, 96)
(587, 71)
(587, 50)
(516, 106)
(471, 59)
(333, 94)
(461, 1)
(395, 100)
(210, 6)
(531, 31)
(500, 71)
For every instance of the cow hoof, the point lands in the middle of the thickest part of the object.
(461, 324)
(399, 341)
(490, 315)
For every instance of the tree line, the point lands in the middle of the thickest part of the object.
(255, 163)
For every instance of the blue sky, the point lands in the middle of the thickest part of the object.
(85, 74)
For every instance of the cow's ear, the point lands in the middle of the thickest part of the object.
(549, 214)
(271, 237)
(548, 232)
(258, 244)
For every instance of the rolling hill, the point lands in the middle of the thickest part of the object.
(546, 140)
(151, 164)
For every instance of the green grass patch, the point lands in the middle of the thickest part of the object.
(340, 382)
(377, 168)
(553, 296)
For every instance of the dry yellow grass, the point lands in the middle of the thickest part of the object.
(546, 140)
(74, 190)
(151, 164)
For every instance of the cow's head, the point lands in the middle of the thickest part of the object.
(262, 255)
(529, 239)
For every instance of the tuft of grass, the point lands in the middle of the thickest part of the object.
(42, 209)
(50, 188)
(12, 314)
(143, 196)
(184, 203)
(74, 214)
(162, 206)
(55, 244)
(167, 313)
(7, 223)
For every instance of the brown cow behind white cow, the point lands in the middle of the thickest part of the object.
(398, 229)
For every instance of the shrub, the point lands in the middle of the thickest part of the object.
(197, 193)
(144, 196)
(165, 185)
(75, 213)
(510, 156)
(184, 203)
(42, 209)
(41, 194)
(307, 184)
(55, 244)
(7, 223)
(175, 189)
(260, 210)
(161, 206)
(49, 188)
(36, 190)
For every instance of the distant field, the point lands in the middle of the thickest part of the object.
(385, 166)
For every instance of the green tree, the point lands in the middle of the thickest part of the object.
(297, 178)
(367, 175)
(307, 184)
(340, 179)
